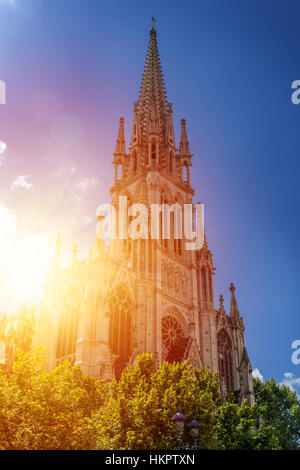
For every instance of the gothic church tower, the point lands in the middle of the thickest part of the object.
(147, 294)
(167, 277)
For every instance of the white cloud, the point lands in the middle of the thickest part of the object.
(290, 381)
(21, 182)
(257, 374)
(84, 184)
(3, 146)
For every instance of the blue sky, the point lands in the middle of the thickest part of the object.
(228, 68)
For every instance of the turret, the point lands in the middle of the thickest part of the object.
(185, 156)
(119, 155)
(120, 142)
(234, 311)
(221, 304)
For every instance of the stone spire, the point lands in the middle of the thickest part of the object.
(184, 143)
(170, 127)
(185, 156)
(234, 311)
(120, 142)
(152, 103)
(221, 306)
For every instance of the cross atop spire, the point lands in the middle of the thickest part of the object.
(153, 21)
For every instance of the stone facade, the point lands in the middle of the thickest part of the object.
(145, 295)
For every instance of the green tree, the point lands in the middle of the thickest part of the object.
(140, 406)
(280, 408)
(42, 409)
(64, 409)
(236, 428)
(16, 332)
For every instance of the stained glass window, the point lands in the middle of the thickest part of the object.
(225, 360)
(120, 321)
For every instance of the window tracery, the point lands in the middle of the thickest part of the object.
(225, 360)
(172, 333)
(67, 335)
(120, 322)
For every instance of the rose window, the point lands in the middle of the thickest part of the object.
(172, 333)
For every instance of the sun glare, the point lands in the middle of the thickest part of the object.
(34, 257)
(33, 260)
(25, 263)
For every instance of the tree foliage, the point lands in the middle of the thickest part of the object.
(16, 332)
(140, 406)
(237, 428)
(280, 408)
(64, 409)
(46, 410)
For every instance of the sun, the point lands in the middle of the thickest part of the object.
(30, 269)
(25, 267)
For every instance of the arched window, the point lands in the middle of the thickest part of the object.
(153, 151)
(179, 241)
(119, 172)
(163, 221)
(173, 228)
(128, 243)
(120, 322)
(67, 334)
(210, 286)
(176, 226)
(185, 173)
(172, 334)
(225, 361)
(171, 162)
(134, 162)
(204, 287)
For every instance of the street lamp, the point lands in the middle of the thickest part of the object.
(179, 420)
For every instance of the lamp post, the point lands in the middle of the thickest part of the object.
(179, 420)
